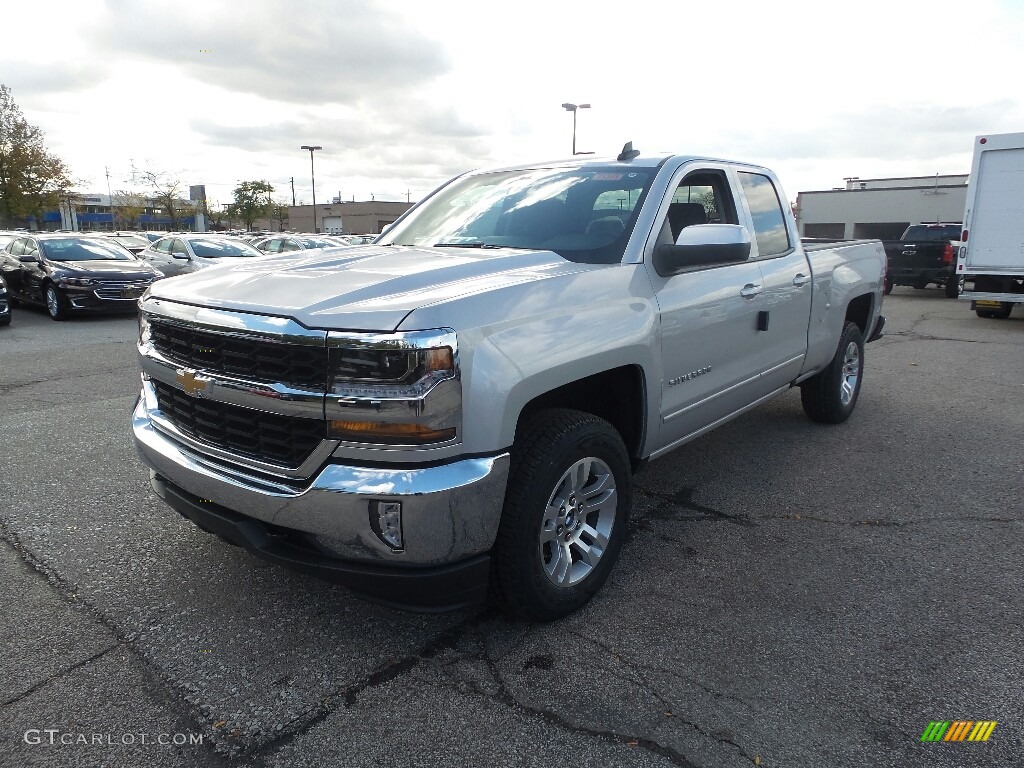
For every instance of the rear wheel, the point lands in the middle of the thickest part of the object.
(830, 396)
(998, 314)
(952, 287)
(564, 520)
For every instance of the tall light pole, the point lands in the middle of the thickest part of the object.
(573, 108)
(312, 176)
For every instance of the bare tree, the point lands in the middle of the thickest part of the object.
(167, 195)
(127, 208)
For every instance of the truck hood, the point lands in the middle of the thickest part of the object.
(363, 288)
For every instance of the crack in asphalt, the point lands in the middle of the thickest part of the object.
(506, 697)
(347, 696)
(891, 523)
(167, 693)
(43, 683)
(667, 502)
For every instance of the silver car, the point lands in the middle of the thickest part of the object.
(181, 254)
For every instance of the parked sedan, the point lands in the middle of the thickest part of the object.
(181, 254)
(285, 243)
(72, 273)
(134, 243)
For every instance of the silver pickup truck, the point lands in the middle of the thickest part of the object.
(458, 407)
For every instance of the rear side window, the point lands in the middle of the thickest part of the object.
(766, 212)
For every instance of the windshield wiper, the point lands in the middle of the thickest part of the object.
(467, 245)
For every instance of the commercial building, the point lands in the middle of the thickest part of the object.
(89, 212)
(364, 218)
(882, 208)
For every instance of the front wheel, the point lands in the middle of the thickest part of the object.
(830, 396)
(564, 519)
(55, 302)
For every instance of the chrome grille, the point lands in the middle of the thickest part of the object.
(299, 366)
(114, 289)
(267, 437)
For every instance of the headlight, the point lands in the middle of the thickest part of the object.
(408, 372)
(394, 389)
(144, 329)
(82, 282)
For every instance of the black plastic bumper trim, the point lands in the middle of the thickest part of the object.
(877, 333)
(427, 590)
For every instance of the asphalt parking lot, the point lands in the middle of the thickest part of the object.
(791, 594)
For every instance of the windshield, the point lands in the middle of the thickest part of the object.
(932, 233)
(582, 214)
(316, 242)
(84, 249)
(209, 248)
(129, 241)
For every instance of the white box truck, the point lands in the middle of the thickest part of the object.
(992, 254)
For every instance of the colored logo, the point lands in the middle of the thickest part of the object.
(191, 383)
(958, 730)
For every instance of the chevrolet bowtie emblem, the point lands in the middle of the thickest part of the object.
(192, 384)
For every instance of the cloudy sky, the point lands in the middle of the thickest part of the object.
(403, 95)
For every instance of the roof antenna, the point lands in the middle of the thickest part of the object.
(628, 153)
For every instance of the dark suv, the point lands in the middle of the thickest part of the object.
(71, 273)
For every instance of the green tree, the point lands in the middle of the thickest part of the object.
(32, 180)
(252, 201)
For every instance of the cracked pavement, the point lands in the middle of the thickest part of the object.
(790, 594)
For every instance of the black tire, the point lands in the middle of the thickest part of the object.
(824, 397)
(952, 287)
(997, 314)
(56, 304)
(5, 320)
(548, 444)
(887, 289)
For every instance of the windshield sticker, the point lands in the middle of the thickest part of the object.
(606, 177)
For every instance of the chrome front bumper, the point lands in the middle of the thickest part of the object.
(450, 512)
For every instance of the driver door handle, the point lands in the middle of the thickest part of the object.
(750, 290)
(801, 279)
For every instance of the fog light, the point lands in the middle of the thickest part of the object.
(386, 522)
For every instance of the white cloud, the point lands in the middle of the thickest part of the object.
(402, 95)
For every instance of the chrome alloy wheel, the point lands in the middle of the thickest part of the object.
(52, 301)
(578, 522)
(851, 373)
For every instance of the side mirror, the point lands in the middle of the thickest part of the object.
(702, 245)
(180, 255)
(28, 259)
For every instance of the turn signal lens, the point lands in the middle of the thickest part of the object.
(392, 434)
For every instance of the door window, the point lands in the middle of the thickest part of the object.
(703, 197)
(766, 212)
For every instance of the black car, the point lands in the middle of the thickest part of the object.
(5, 304)
(72, 273)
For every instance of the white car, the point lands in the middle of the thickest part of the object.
(182, 253)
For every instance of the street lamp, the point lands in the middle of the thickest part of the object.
(572, 108)
(312, 176)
